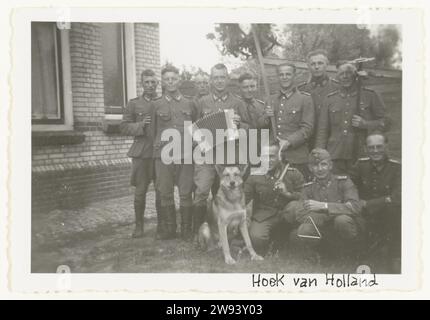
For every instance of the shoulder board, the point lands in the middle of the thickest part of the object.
(364, 159)
(305, 93)
(368, 89)
(302, 84)
(157, 98)
(341, 177)
(188, 97)
(261, 101)
(332, 93)
(308, 183)
(135, 99)
(395, 161)
(334, 80)
(237, 96)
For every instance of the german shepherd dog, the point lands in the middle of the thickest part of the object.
(228, 214)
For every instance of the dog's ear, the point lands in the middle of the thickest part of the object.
(245, 171)
(219, 169)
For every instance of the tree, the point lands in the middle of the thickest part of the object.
(233, 41)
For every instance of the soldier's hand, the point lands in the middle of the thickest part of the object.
(147, 120)
(283, 144)
(236, 119)
(312, 205)
(280, 186)
(268, 111)
(358, 122)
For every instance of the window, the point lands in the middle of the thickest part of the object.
(46, 88)
(118, 65)
(51, 107)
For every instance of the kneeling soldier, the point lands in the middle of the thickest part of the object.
(330, 208)
(270, 195)
(378, 180)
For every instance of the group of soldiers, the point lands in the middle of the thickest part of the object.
(324, 127)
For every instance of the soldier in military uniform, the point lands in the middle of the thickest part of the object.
(219, 99)
(170, 112)
(343, 125)
(136, 122)
(378, 179)
(294, 115)
(319, 84)
(270, 196)
(330, 209)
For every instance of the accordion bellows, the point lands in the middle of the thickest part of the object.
(221, 120)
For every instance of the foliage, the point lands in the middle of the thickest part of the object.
(341, 41)
(234, 41)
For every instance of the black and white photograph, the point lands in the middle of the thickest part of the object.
(216, 146)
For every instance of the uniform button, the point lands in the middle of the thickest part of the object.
(346, 121)
(345, 131)
(347, 103)
(280, 118)
(279, 126)
(282, 104)
(279, 133)
(280, 111)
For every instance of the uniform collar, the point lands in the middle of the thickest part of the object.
(176, 97)
(350, 92)
(319, 81)
(147, 98)
(380, 164)
(287, 94)
(274, 173)
(325, 183)
(222, 97)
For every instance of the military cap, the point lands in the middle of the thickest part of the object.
(317, 155)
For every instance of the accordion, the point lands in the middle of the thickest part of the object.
(223, 120)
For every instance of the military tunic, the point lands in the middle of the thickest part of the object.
(294, 117)
(171, 112)
(335, 132)
(380, 186)
(268, 204)
(318, 89)
(343, 212)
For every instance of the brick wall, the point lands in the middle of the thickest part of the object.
(147, 48)
(97, 168)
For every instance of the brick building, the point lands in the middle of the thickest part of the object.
(82, 76)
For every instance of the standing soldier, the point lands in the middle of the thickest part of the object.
(330, 208)
(270, 194)
(248, 91)
(346, 117)
(319, 84)
(219, 99)
(294, 115)
(136, 122)
(170, 112)
(378, 180)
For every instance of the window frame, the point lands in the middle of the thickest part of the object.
(128, 71)
(64, 79)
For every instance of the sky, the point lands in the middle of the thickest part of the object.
(186, 44)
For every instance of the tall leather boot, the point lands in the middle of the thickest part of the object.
(162, 232)
(160, 222)
(186, 219)
(199, 216)
(171, 222)
(139, 209)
